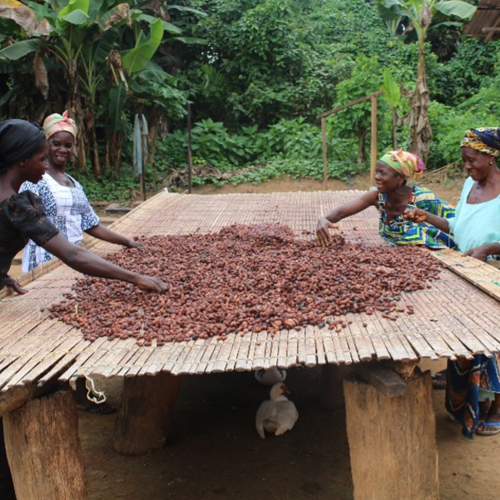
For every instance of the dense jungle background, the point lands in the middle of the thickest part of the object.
(256, 74)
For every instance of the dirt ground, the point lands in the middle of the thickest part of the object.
(214, 452)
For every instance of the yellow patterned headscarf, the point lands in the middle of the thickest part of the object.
(406, 163)
(485, 140)
(59, 123)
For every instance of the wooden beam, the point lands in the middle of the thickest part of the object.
(387, 381)
(17, 396)
(492, 30)
(373, 154)
(325, 157)
(348, 105)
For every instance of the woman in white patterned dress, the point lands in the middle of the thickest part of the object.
(65, 201)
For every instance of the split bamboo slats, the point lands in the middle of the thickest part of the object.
(452, 318)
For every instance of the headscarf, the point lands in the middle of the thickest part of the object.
(485, 140)
(408, 164)
(55, 123)
(19, 139)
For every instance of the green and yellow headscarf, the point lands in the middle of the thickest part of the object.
(406, 163)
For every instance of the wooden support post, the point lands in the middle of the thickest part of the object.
(373, 154)
(43, 449)
(332, 385)
(325, 158)
(392, 441)
(6, 486)
(190, 150)
(146, 413)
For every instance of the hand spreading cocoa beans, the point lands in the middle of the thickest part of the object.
(244, 279)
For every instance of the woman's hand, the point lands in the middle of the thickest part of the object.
(323, 231)
(133, 244)
(150, 284)
(13, 284)
(415, 215)
(482, 252)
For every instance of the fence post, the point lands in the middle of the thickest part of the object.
(325, 160)
(373, 155)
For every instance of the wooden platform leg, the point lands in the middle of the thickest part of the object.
(392, 441)
(148, 406)
(43, 449)
(332, 387)
(6, 486)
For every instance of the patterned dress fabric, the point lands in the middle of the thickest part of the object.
(67, 208)
(465, 379)
(22, 217)
(400, 231)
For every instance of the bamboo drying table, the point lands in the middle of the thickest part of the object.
(453, 318)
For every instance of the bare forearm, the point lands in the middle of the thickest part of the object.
(89, 263)
(103, 233)
(335, 215)
(438, 222)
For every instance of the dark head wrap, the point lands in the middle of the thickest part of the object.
(485, 140)
(19, 139)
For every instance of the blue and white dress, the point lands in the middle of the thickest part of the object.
(67, 208)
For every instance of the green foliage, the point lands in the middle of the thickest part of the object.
(268, 67)
(449, 124)
(392, 94)
(123, 187)
(471, 67)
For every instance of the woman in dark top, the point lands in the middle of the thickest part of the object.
(23, 157)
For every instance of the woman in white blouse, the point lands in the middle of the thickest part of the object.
(65, 201)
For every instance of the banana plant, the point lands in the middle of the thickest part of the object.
(89, 40)
(392, 95)
(420, 13)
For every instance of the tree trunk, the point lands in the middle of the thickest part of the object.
(97, 161)
(118, 154)
(153, 135)
(394, 134)
(107, 154)
(420, 128)
(361, 145)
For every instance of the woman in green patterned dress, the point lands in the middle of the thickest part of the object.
(392, 197)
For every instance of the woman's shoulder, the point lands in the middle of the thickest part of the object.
(75, 182)
(20, 202)
(421, 193)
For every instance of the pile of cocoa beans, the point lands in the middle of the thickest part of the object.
(245, 279)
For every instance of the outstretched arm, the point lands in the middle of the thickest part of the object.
(350, 208)
(419, 215)
(103, 233)
(89, 263)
